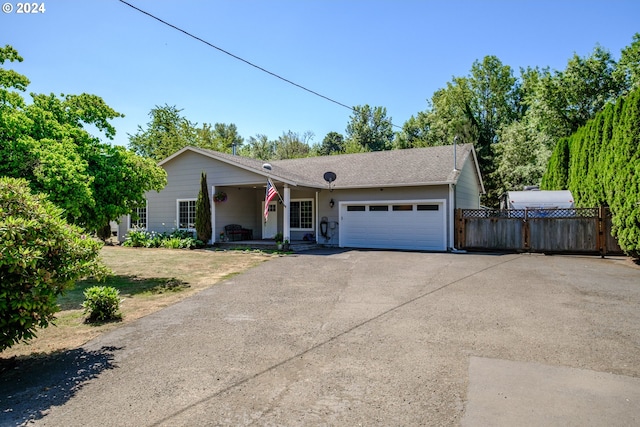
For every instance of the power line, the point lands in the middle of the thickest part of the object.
(239, 58)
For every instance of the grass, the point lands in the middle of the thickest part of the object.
(148, 280)
(129, 286)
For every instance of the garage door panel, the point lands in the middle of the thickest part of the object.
(422, 227)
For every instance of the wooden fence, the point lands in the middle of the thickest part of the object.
(576, 230)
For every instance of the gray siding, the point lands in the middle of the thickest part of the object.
(239, 208)
(468, 187)
(183, 176)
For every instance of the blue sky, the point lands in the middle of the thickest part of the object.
(390, 53)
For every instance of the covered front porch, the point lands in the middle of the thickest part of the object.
(292, 216)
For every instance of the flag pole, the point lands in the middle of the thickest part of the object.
(271, 192)
(277, 192)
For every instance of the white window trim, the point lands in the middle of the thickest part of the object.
(178, 213)
(146, 211)
(309, 199)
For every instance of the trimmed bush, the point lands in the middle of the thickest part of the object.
(102, 303)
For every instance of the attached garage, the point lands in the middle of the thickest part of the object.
(394, 224)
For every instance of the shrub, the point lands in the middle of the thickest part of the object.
(102, 303)
(178, 239)
(172, 243)
(143, 239)
(155, 240)
(41, 256)
(104, 232)
(135, 238)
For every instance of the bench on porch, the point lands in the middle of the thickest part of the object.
(234, 232)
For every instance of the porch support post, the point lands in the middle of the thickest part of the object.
(213, 216)
(286, 226)
(317, 213)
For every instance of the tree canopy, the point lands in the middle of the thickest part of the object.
(516, 122)
(169, 131)
(369, 129)
(333, 143)
(46, 143)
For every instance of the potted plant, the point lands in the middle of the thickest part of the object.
(285, 245)
(220, 196)
(278, 238)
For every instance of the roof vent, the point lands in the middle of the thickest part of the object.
(266, 166)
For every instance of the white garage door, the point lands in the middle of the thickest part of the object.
(414, 225)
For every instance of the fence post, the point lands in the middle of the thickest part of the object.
(459, 233)
(525, 231)
(601, 241)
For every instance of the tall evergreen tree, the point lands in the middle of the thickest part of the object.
(203, 211)
(556, 176)
(625, 205)
(600, 164)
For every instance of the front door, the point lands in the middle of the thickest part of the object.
(270, 227)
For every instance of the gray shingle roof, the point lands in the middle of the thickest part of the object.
(414, 166)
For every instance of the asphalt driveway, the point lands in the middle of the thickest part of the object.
(346, 338)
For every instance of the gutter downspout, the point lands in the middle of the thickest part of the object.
(451, 217)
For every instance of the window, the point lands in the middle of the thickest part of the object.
(301, 214)
(355, 208)
(378, 208)
(187, 214)
(402, 207)
(138, 218)
(428, 207)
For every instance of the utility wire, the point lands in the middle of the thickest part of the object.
(239, 58)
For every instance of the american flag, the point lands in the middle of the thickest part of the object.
(271, 193)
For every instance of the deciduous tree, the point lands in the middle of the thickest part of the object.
(292, 145)
(370, 128)
(167, 132)
(47, 144)
(259, 147)
(628, 69)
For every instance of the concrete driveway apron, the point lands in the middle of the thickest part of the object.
(363, 338)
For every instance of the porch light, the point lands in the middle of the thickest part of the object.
(331, 203)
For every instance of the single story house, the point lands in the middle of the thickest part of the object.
(399, 199)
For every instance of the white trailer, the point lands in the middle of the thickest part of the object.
(537, 199)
